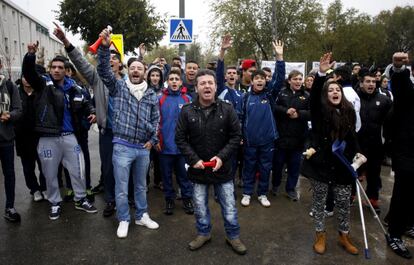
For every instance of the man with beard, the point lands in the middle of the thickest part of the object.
(135, 125)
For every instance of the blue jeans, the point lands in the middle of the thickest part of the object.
(227, 202)
(124, 159)
(292, 158)
(257, 158)
(168, 163)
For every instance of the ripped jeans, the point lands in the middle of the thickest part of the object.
(225, 196)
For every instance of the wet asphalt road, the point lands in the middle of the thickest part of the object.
(281, 234)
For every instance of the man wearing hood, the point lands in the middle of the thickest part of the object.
(135, 126)
(59, 107)
(155, 80)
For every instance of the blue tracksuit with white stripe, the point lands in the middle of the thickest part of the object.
(260, 132)
(226, 93)
(171, 159)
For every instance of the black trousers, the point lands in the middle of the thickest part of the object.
(372, 169)
(401, 214)
(29, 160)
(7, 165)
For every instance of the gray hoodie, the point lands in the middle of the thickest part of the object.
(160, 85)
(11, 104)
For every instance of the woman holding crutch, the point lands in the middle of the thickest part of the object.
(333, 119)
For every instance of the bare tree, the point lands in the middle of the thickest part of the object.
(5, 53)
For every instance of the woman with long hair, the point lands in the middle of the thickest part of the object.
(333, 119)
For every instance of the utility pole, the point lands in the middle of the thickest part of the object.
(274, 20)
(181, 47)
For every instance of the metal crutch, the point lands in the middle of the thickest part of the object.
(338, 148)
(387, 236)
(361, 213)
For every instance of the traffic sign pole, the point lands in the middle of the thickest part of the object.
(181, 47)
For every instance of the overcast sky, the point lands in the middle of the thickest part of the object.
(43, 10)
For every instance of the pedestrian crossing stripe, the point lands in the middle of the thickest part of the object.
(181, 31)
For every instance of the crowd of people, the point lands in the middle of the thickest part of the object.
(220, 127)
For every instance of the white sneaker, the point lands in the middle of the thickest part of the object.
(44, 193)
(37, 196)
(311, 213)
(264, 201)
(122, 231)
(245, 201)
(328, 213)
(147, 221)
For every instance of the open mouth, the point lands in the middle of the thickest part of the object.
(207, 93)
(135, 78)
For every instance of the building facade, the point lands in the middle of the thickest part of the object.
(17, 29)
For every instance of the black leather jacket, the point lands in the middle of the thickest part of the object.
(200, 138)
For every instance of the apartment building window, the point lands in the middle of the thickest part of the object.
(42, 29)
(6, 42)
(4, 12)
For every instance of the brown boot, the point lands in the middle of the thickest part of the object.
(346, 243)
(237, 245)
(320, 243)
(198, 242)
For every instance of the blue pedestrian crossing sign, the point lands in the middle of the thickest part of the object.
(181, 30)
